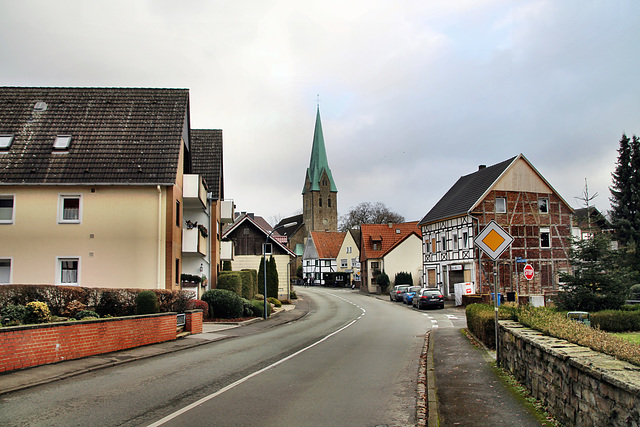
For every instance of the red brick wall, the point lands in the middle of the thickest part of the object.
(32, 345)
(193, 322)
(523, 222)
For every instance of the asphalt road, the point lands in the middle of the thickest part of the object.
(353, 360)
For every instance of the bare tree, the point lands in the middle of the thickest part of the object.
(368, 213)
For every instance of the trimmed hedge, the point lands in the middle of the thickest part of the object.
(481, 321)
(223, 304)
(230, 281)
(616, 320)
(258, 308)
(254, 281)
(63, 300)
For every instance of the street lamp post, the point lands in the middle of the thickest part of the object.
(264, 261)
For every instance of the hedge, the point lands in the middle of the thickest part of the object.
(230, 281)
(114, 302)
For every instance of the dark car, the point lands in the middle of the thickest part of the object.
(407, 298)
(397, 293)
(428, 298)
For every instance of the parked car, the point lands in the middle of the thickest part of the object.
(410, 293)
(428, 298)
(397, 293)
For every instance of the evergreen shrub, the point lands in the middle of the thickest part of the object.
(223, 304)
(276, 302)
(247, 308)
(258, 308)
(37, 312)
(230, 281)
(86, 314)
(12, 315)
(146, 303)
(616, 320)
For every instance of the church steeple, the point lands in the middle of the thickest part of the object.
(318, 162)
(319, 194)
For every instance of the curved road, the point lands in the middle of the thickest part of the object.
(352, 360)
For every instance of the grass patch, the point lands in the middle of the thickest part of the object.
(632, 337)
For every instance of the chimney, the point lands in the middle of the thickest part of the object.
(480, 167)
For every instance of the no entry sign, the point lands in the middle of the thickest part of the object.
(528, 272)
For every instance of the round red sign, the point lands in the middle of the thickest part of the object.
(528, 272)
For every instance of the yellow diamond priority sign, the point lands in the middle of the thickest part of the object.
(493, 240)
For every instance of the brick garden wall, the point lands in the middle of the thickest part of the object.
(32, 345)
(579, 386)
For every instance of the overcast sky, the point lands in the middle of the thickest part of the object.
(413, 94)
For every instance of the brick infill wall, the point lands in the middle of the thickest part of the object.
(32, 345)
(578, 386)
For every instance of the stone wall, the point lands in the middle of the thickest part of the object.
(579, 386)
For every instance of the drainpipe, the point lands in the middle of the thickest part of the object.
(159, 266)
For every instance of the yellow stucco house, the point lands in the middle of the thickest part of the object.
(106, 187)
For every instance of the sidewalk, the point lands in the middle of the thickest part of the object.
(467, 389)
(44, 374)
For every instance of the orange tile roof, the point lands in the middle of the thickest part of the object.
(327, 243)
(388, 234)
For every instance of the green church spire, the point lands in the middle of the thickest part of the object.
(318, 162)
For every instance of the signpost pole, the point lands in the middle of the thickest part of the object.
(496, 288)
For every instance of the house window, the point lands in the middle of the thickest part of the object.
(501, 205)
(6, 209)
(375, 265)
(354, 262)
(177, 281)
(5, 271)
(320, 202)
(177, 213)
(343, 263)
(455, 241)
(465, 239)
(268, 250)
(545, 238)
(5, 142)
(317, 263)
(70, 210)
(327, 263)
(68, 271)
(62, 142)
(543, 205)
(329, 202)
(349, 249)
(434, 249)
(443, 240)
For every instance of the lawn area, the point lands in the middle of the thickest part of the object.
(633, 337)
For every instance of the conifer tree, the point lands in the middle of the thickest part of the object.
(272, 278)
(624, 194)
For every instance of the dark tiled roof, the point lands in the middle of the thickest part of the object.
(465, 193)
(290, 230)
(120, 135)
(206, 158)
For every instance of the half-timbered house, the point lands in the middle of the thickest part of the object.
(319, 262)
(515, 195)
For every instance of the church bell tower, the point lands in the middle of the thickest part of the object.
(320, 194)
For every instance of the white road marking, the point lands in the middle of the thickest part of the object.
(258, 372)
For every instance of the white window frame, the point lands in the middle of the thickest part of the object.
(5, 141)
(59, 261)
(546, 204)
(61, 200)
(465, 239)
(349, 249)
(13, 208)
(10, 271)
(503, 207)
(344, 263)
(545, 230)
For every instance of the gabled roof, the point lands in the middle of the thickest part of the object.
(470, 190)
(206, 159)
(291, 230)
(388, 235)
(465, 193)
(118, 135)
(261, 225)
(318, 162)
(327, 243)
